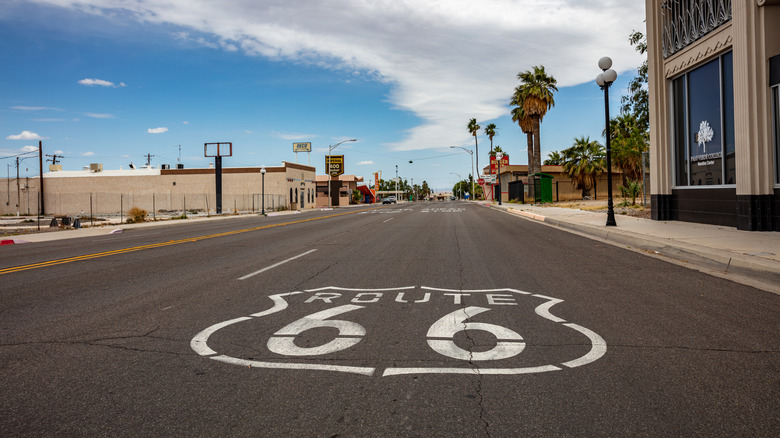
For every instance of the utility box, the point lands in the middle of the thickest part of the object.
(543, 187)
(96, 167)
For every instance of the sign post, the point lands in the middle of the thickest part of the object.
(302, 147)
(217, 151)
(335, 167)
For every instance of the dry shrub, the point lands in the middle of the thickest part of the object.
(136, 215)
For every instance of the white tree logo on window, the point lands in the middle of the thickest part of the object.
(704, 135)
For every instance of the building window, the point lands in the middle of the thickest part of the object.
(776, 106)
(703, 124)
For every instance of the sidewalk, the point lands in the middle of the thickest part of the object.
(746, 257)
(113, 226)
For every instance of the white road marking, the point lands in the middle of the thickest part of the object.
(598, 347)
(276, 265)
(198, 343)
(543, 310)
(475, 371)
(295, 366)
(388, 220)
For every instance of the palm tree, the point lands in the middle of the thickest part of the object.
(496, 150)
(490, 131)
(526, 125)
(536, 91)
(584, 160)
(473, 128)
(629, 140)
(554, 158)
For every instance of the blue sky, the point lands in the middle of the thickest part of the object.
(109, 81)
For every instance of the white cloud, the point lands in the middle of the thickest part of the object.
(365, 163)
(36, 108)
(446, 61)
(100, 82)
(25, 135)
(159, 130)
(185, 123)
(87, 154)
(292, 136)
(100, 115)
(58, 152)
(30, 149)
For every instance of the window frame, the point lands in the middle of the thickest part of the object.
(673, 134)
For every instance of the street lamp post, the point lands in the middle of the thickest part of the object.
(460, 189)
(604, 80)
(473, 195)
(330, 149)
(262, 202)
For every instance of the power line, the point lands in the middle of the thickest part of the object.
(19, 155)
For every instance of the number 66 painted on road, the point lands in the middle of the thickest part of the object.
(443, 331)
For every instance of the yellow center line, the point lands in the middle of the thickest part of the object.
(162, 244)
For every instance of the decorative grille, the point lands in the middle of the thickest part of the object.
(685, 21)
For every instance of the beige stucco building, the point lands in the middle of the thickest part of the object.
(71, 193)
(714, 73)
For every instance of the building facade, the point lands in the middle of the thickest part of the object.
(714, 75)
(108, 192)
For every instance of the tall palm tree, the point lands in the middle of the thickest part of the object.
(473, 128)
(536, 91)
(584, 160)
(526, 125)
(490, 131)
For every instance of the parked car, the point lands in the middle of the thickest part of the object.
(389, 200)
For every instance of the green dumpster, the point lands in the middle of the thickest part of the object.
(543, 187)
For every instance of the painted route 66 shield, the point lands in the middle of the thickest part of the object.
(404, 330)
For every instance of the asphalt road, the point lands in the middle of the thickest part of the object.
(427, 319)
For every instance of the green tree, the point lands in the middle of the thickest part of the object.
(496, 150)
(490, 131)
(473, 128)
(536, 91)
(636, 102)
(554, 158)
(526, 125)
(628, 140)
(464, 186)
(425, 190)
(583, 163)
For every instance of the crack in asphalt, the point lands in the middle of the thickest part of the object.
(96, 342)
(474, 366)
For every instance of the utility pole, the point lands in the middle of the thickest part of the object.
(18, 194)
(54, 158)
(40, 164)
(178, 160)
(149, 160)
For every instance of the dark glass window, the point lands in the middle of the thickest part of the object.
(678, 127)
(776, 98)
(703, 124)
(728, 119)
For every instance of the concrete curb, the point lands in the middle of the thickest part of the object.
(745, 269)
